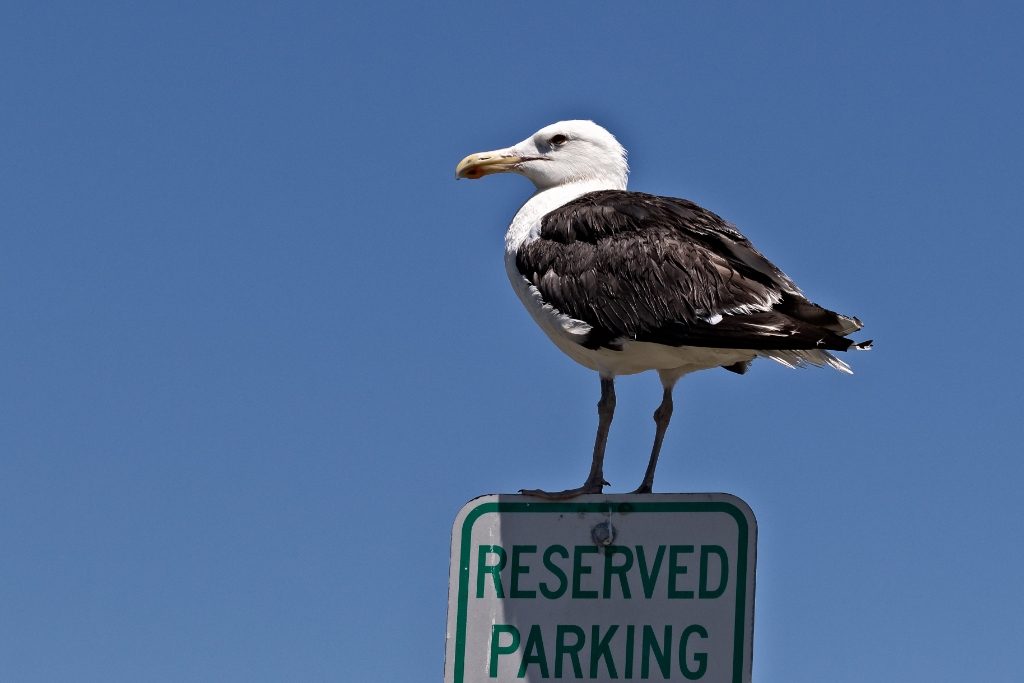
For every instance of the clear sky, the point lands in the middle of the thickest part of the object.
(257, 345)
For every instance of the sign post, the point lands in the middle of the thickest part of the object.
(602, 587)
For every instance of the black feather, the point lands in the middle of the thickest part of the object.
(659, 269)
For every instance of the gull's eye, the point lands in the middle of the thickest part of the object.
(558, 140)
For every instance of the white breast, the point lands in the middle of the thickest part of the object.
(566, 332)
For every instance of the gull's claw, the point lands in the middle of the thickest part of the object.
(589, 487)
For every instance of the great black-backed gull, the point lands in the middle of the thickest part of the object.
(625, 282)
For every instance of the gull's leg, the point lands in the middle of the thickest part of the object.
(605, 413)
(661, 419)
(595, 482)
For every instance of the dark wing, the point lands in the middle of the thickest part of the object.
(659, 269)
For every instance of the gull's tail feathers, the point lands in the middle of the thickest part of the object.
(802, 358)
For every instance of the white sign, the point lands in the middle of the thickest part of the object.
(602, 587)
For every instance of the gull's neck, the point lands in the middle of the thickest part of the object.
(542, 202)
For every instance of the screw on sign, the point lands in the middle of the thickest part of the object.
(606, 587)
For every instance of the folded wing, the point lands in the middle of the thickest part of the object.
(658, 269)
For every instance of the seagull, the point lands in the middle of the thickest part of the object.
(625, 282)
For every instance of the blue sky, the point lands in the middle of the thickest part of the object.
(257, 346)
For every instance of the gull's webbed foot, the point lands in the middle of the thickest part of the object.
(589, 487)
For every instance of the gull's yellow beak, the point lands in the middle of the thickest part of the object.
(485, 163)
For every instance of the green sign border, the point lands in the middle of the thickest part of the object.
(602, 507)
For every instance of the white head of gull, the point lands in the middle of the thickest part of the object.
(564, 153)
(624, 282)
